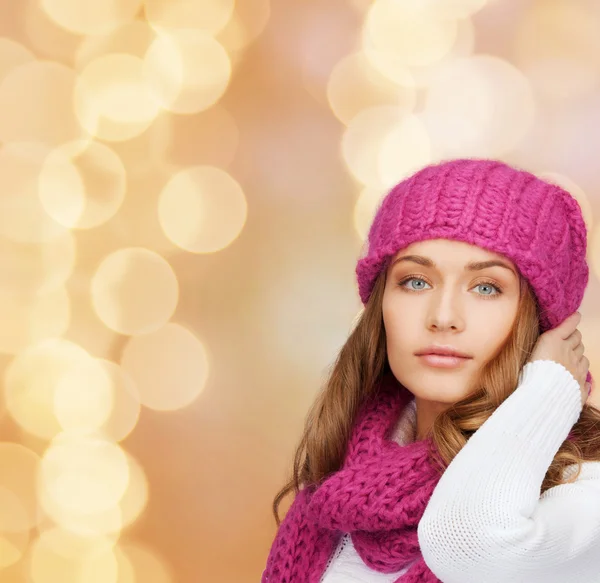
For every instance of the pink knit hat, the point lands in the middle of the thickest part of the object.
(536, 224)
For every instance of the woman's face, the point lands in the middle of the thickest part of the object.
(446, 303)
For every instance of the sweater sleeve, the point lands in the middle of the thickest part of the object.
(486, 520)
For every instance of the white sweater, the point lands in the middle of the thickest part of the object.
(486, 521)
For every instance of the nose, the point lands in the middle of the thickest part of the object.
(444, 312)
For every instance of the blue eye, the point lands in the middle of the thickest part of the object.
(483, 283)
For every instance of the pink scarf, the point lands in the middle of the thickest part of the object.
(378, 496)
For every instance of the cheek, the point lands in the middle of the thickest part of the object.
(493, 336)
(400, 327)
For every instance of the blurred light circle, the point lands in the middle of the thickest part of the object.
(139, 563)
(455, 8)
(44, 36)
(393, 67)
(22, 216)
(134, 291)
(57, 555)
(138, 216)
(84, 473)
(208, 16)
(30, 383)
(248, 21)
(170, 367)
(13, 545)
(83, 398)
(126, 403)
(36, 104)
(202, 209)
(19, 509)
(187, 69)
(355, 85)
(365, 208)
(30, 318)
(82, 184)
(108, 522)
(132, 38)
(405, 149)
(480, 106)
(37, 268)
(363, 139)
(135, 498)
(12, 55)
(113, 100)
(423, 77)
(89, 17)
(415, 33)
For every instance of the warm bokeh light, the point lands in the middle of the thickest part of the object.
(412, 33)
(31, 380)
(43, 91)
(208, 16)
(22, 216)
(90, 17)
(86, 520)
(12, 544)
(202, 209)
(19, 510)
(211, 136)
(381, 145)
(456, 8)
(12, 55)
(187, 69)
(30, 318)
(558, 48)
(365, 207)
(138, 563)
(132, 38)
(108, 522)
(134, 291)
(36, 268)
(84, 473)
(125, 410)
(172, 356)
(135, 498)
(405, 149)
(354, 85)
(479, 106)
(113, 99)
(58, 555)
(248, 21)
(82, 184)
(47, 38)
(83, 397)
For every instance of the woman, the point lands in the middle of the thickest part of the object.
(482, 467)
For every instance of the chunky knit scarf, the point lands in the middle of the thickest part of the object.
(378, 496)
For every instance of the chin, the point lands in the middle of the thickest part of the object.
(435, 391)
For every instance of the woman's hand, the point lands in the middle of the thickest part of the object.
(563, 345)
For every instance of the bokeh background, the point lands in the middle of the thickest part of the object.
(185, 188)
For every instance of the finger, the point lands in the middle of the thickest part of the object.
(574, 339)
(567, 326)
(579, 349)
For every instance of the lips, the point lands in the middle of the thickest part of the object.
(442, 351)
(442, 361)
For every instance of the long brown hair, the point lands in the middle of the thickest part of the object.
(363, 360)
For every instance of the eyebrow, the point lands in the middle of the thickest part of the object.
(472, 266)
